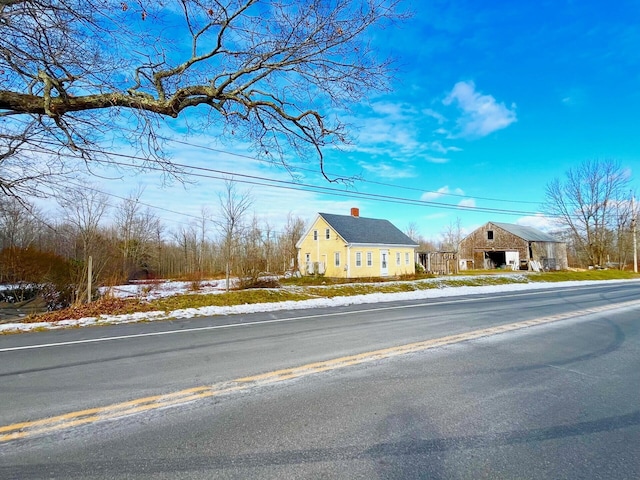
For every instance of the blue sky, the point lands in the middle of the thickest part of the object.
(490, 102)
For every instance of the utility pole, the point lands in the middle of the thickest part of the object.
(633, 235)
(89, 275)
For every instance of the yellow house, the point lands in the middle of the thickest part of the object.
(350, 246)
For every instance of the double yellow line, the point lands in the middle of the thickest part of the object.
(118, 410)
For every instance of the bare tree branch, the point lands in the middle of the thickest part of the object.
(271, 70)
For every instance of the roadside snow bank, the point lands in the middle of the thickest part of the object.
(296, 305)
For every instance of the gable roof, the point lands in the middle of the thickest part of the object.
(367, 230)
(526, 233)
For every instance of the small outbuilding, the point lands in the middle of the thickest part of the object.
(510, 246)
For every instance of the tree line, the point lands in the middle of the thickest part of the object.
(129, 241)
(592, 210)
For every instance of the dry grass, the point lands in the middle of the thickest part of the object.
(314, 287)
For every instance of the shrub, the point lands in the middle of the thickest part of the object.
(38, 273)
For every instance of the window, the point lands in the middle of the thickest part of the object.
(315, 234)
(369, 259)
(398, 258)
(337, 259)
(406, 258)
(307, 257)
(489, 234)
(327, 234)
(358, 259)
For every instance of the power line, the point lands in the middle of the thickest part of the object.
(373, 182)
(297, 186)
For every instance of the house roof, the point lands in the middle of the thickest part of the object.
(366, 230)
(526, 233)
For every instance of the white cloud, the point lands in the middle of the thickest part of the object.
(392, 110)
(468, 203)
(435, 216)
(482, 115)
(437, 115)
(440, 193)
(388, 171)
(438, 147)
(432, 159)
(538, 221)
(396, 132)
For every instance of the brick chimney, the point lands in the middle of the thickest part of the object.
(355, 212)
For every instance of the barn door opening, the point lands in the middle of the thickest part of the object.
(495, 259)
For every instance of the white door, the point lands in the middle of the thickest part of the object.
(384, 263)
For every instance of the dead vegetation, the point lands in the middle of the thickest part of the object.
(272, 290)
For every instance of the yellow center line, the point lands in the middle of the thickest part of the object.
(154, 402)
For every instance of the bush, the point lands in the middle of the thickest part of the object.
(263, 282)
(38, 273)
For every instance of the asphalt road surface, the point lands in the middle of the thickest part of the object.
(498, 398)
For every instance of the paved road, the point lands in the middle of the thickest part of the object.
(552, 401)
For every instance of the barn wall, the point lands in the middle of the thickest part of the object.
(551, 255)
(475, 244)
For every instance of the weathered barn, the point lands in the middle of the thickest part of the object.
(505, 245)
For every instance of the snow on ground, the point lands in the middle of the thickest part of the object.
(291, 305)
(150, 291)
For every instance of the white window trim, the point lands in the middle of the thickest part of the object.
(315, 235)
(369, 259)
(358, 259)
(336, 257)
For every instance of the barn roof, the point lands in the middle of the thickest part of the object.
(367, 230)
(526, 233)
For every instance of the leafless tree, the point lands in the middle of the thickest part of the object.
(136, 229)
(293, 231)
(20, 223)
(451, 236)
(234, 206)
(413, 232)
(186, 238)
(80, 76)
(83, 210)
(591, 202)
(251, 259)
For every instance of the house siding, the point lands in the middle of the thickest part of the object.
(322, 252)
(374, 270)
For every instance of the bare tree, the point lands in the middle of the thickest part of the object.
(451, 236)
(267, 70)
(20, 223)
(590, 203)
(251, 258)
(136, 230)
(413, 232)
(293, 231)
(83, 210)
(234, 206)
(187, 240)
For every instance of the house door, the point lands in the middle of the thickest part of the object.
(384, 263)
